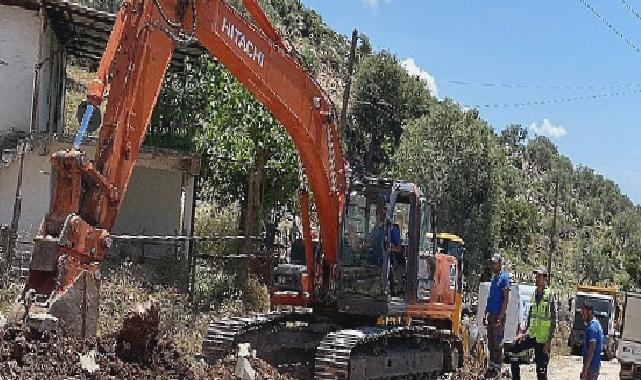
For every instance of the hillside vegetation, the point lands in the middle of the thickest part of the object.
(496, 189)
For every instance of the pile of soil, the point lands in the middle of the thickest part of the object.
(52, 357)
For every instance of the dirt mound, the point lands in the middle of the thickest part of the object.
(53, 357)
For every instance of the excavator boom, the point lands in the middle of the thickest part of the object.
(62, 287)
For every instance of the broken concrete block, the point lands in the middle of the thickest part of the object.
(88, 362)
(244, 370)
(244, 350)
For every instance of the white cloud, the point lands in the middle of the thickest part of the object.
(547, 128)
(411, 67)
(374, 3)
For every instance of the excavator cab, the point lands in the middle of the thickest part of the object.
(379, 252)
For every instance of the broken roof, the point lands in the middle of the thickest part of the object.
(9, 143)
(85, 31)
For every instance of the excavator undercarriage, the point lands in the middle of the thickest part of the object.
(329, 350)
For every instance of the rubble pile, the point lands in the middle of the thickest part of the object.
(25, 357)
(52, 357)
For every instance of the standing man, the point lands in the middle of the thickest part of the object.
(541, 325)
(592, 344)
(380, 255)
(494, 318)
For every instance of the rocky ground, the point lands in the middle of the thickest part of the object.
(569, 368)
(55, 358)
(561, 367)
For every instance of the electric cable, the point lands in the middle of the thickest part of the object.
(612, 28)
(555, 101)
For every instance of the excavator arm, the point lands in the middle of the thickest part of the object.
(62, 286)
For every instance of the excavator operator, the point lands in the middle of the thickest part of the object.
(398, 261)
(380, 256)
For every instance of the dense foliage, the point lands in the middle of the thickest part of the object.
(385, 98)
(498, 192)
(207, 109)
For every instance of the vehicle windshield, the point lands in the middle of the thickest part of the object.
(600, 306)
(426, 261)
(455, 249)
(426, 227)
(363, 242)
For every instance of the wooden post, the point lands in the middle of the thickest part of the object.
(553, 231)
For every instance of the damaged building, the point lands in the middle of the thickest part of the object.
(37, 40)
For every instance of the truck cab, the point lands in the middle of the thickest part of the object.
(629, 347)
(603, 301)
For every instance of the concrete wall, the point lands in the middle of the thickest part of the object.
(35, 192)
(22, 47)
(19, 48)
(52, 78)
(152, 204)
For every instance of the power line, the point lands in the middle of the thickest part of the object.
(627, 5)
(555, 101)
(542, 86)
(612, 28)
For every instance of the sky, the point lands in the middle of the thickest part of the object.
(502, 52)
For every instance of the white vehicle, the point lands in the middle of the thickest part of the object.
(629, 351)
(604, 304)
(518, 307)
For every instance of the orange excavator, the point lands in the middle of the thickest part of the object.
(389, 306)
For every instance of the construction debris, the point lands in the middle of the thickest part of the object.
(58, 358)
(139, 333)
(244, 370)
(88, 362)
(64, 358)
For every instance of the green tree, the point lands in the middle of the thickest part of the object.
(541, 151)
(514, 136)
(456, 157)
(385, 97)
(242, 142)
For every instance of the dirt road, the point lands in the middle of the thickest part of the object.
(569, 368)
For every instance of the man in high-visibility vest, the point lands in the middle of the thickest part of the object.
(540, 328)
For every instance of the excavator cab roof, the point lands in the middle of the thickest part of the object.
(446, 236)
(386, 185)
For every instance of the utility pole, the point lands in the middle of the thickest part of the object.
(348, 84)
(553, 230)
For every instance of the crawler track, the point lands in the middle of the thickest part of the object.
(419, 352)
(287, 339)
(224, 334)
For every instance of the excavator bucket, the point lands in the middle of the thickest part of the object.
(72, 312)
(62, 289)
